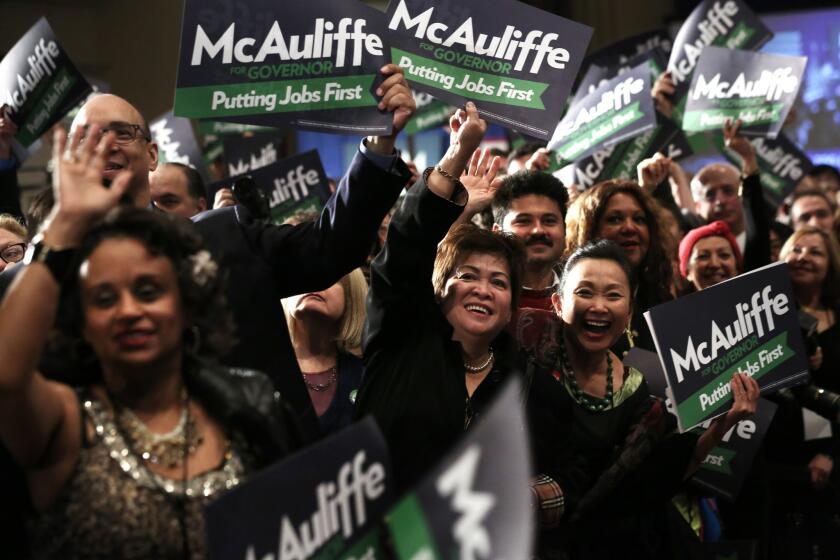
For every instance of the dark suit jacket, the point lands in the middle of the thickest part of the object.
(267, 262)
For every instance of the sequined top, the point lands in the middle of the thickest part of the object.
(112, 506)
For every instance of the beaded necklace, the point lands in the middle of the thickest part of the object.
(594, 404)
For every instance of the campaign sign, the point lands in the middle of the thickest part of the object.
(621, 52)
(473, 504)
(781, 164)
(176, 142)
(517, 63)
(244, 154)
(292, 185)
(723, 23)
(748, 324)
(620, 160)
(430, 113)
(39, 83)
(727, 464)
(618, 110)
(596, 75)
(757, 88)
(314, 64)
(314, 502)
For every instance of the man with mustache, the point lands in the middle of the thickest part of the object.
(532, 206)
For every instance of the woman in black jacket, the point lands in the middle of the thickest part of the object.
(435, 351)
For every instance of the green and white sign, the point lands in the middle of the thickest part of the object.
(312, 64)
(517, 63)
(39, 83)
(726, 466)
(744, 325)
(781, 163)
(723, 23)
(616, 111)
(757, 88)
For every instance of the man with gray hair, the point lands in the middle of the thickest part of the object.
(723, 192)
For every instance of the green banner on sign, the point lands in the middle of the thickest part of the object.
(229, 100)
(475, 85)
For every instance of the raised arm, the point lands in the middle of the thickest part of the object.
(401, 275)
(32, 409)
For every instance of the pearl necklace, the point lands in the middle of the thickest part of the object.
(481, 367)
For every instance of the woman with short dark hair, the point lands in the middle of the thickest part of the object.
(435, 350)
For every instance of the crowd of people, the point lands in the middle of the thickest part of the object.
(158, 352)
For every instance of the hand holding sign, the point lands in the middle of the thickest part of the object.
(77, 181)
(661, 92)
(8, 129)
(396, 98)
(467, 130)
(539, 160)
(740, 146)
(745, 402)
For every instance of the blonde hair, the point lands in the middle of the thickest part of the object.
(352, 321)
(831, 285)
(11, 224)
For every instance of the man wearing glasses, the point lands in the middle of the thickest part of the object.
(266, 262)
(12, 241)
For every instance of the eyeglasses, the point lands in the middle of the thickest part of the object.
(13, 253)
(124, 133)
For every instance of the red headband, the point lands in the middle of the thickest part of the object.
(719, 229)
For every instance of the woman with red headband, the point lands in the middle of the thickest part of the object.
(709, 255)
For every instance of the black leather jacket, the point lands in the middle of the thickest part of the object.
(246, 401)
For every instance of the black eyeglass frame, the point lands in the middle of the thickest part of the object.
(22, 254)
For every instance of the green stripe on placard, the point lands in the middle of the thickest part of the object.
(56, 90)
(592, 133)
(410, 531)
(712, 119)
(719, 460)
(263, 98)
(692, 412)
(480, 86)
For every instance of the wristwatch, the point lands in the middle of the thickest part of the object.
(58, 260)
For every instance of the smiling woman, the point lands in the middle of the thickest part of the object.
(435, 350)
(604, 447)
(154, 431)
(624, 213)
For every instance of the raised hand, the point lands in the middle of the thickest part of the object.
(81, 197)
(467, 130)
(653, 170)
(539, 160)
(481, 181)
(740, 145)
(661, 92)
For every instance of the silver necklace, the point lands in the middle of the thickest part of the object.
(481, 367)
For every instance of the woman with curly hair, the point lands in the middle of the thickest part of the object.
(625, 214)
(153, 433)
